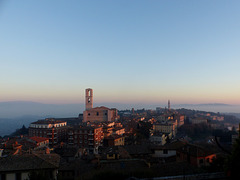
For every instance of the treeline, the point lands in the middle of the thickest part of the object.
(19, 132)
(196, 131)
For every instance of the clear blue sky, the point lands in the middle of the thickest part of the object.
(127, 51)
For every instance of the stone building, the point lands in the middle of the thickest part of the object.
(97, 114)
(169, 127)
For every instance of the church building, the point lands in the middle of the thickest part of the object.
(97, 114)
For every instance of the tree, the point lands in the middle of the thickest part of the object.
(21, 131)
(233, 161)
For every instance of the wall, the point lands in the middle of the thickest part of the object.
(159, 153)
(10, 176)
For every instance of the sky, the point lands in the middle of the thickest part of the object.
(136, 51)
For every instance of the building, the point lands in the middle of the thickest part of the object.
(22, 166)
(198, 120)
(97, 114)
(169, 105)
(88, 137)
(119, 131)
(39, 141)
(180, 120)
(169, 127)
(114, 140)
(52, 129)
(195, 155)
(158, 138)
(168, 150)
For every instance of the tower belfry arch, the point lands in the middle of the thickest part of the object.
(89, 99)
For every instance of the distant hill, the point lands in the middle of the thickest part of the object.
(8, 126)
(213, 104)
(14, 114)
(15, 109)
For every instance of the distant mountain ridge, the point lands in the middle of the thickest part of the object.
(13, 109)
(14, 114)
(214, 104)
(206, 104)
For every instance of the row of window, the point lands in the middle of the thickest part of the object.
(97, 113)
(48, 126)
(81, 131)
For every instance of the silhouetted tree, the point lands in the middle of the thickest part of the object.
(21, 131)
(233, 162)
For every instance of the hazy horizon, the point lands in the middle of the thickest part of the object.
(15, 114)
(13, 109)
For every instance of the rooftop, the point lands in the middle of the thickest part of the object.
(48, 121)
(38, 139)
(29, 162)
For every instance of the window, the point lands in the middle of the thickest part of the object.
(3, 176)
(97, 113)
(106, 114)
(88, 114)
(18, 176)
(165, 151)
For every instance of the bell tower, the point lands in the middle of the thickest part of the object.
(169, 105)
(89, 99)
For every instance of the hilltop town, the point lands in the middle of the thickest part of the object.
(105, 143)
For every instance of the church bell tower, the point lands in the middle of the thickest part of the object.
(89, 99)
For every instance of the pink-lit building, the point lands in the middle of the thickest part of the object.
(97, 114)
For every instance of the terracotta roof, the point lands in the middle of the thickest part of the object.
(114, 136)
(195, 150)
(38, 139)
(29, 162)
(115, 150)
(101, 108)
(48, 121)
